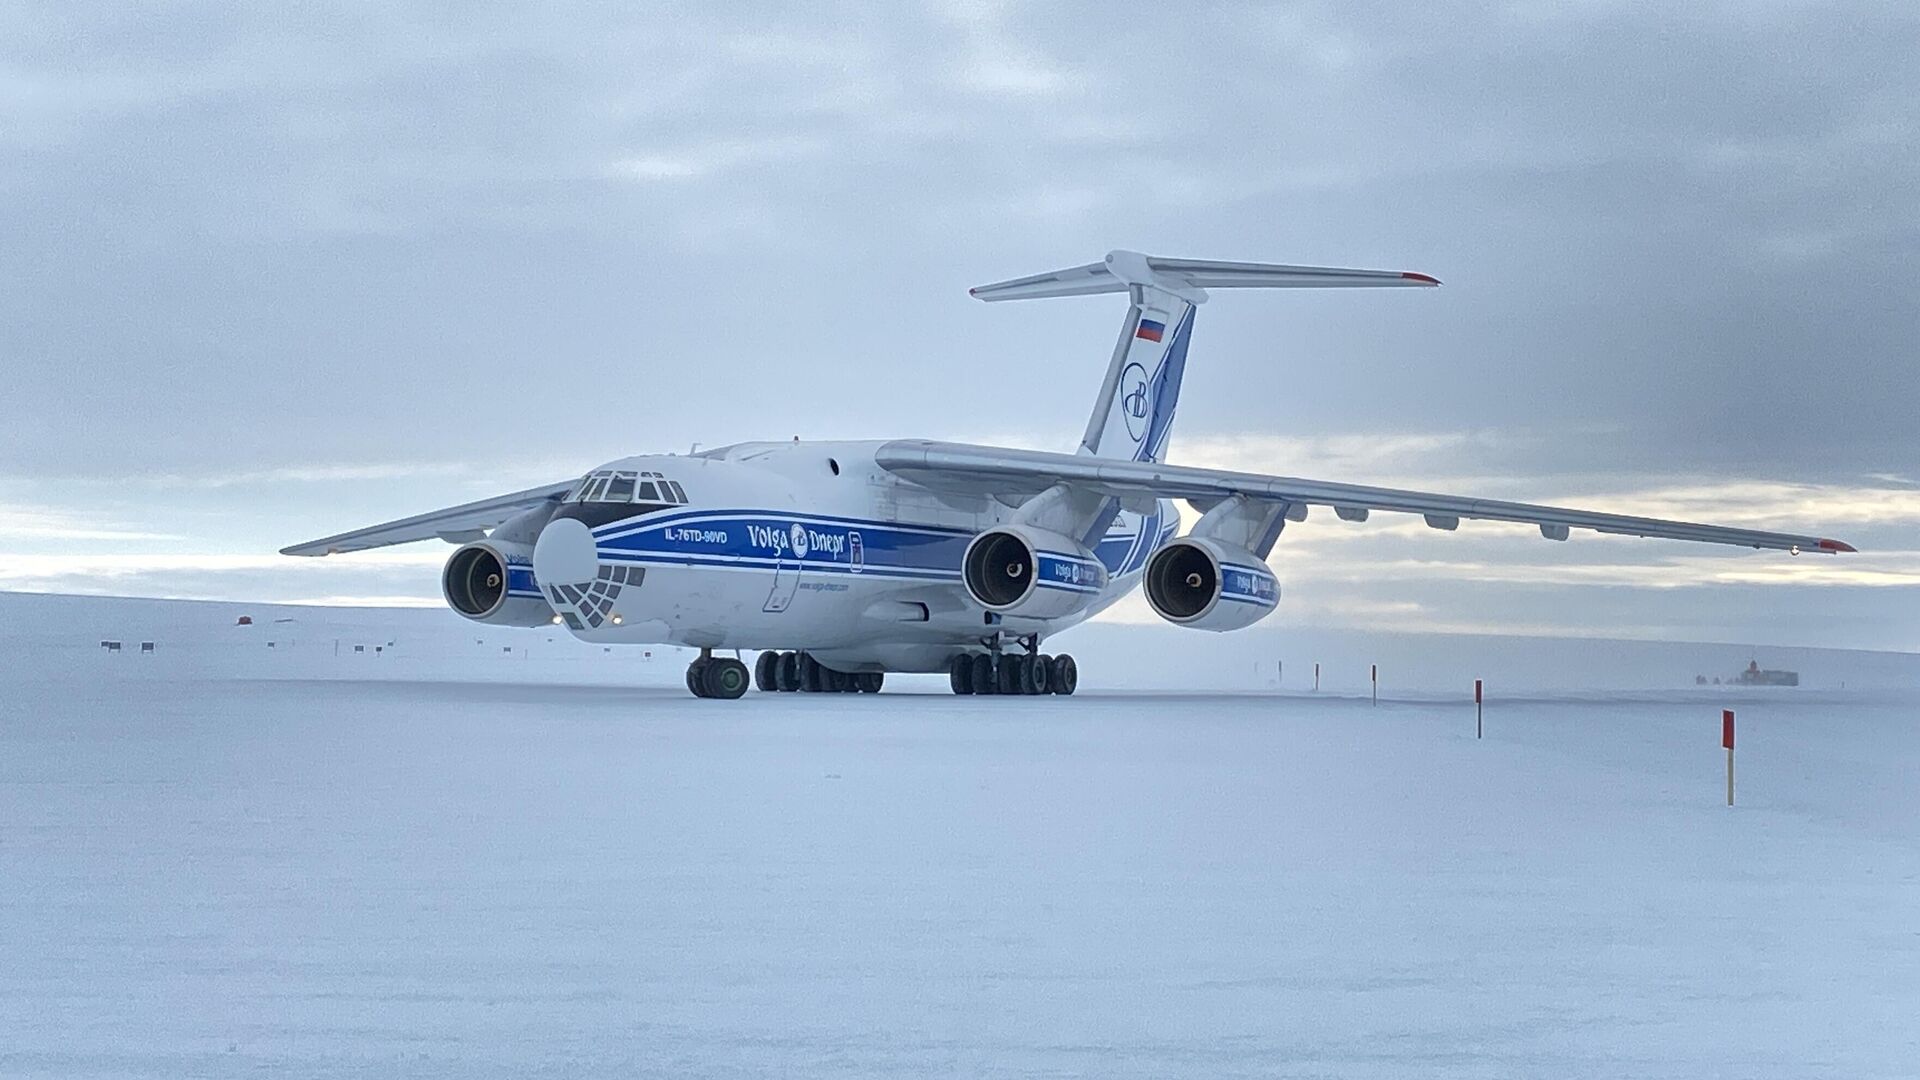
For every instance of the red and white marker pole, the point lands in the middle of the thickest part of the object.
(1726, 740)
(1479, 710)
(1376, 684)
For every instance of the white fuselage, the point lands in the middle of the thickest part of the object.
(798, 546)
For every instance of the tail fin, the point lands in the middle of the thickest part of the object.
(1134, 413)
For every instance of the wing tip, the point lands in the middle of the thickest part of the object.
(1418, 278)
(1838, 546)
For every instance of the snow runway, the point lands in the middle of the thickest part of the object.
(207, 876)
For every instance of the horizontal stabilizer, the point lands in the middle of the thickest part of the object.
(1188, 278)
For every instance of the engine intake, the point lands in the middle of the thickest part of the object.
(1208, 585)
(493, 583)
(1019, 570)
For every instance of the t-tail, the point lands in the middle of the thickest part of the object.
(1133, 415)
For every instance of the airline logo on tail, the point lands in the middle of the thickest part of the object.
(1133, 383)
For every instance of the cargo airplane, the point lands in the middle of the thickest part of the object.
(843, 561)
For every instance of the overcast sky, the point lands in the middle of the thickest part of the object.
(272, 272)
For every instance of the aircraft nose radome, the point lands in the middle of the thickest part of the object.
(565, 554)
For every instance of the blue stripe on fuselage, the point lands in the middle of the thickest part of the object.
(759, 538)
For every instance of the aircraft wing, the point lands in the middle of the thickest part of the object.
(990, 470)
(455, 524)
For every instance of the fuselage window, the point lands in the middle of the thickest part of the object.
(647, 494)
(621, 490)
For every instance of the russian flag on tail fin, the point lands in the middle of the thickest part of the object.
(1151, 330)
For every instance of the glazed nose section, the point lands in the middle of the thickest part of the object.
(565, 554)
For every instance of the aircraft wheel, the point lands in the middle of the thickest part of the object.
(984, 681)
(1042, 674)
(1064, 676)
(870, 682)
(766, 671)
(960, 674)
(697, 677)
(787, 674)
(725, 677)
(1016, 669)
(1008, 677)
(812, 675)
(838, 682)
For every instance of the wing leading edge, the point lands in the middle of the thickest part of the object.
(958, 466)
(455, 524)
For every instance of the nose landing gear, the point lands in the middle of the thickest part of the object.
(717, 676)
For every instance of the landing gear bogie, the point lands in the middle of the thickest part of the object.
(788, 672)
(1027, 674)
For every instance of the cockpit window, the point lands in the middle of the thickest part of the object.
(608, 486)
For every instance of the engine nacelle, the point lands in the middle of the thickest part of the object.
(1208, 585)
(493, 582)
(1020, 570)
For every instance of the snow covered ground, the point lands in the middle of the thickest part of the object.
(227, 862)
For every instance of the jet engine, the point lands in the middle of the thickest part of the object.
(1208, 585)
(1020, 570)
(482, 581)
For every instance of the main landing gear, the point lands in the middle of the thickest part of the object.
(787, 672)
(1030, 673)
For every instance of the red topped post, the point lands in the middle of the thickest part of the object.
(1726, 740)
